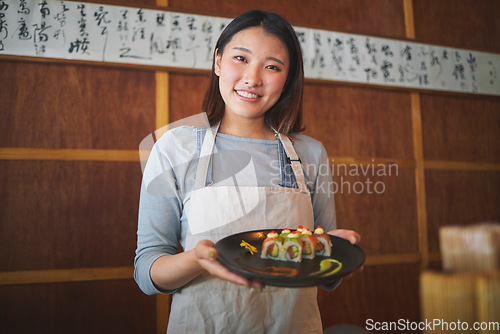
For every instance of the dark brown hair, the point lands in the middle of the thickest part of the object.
(286, 114)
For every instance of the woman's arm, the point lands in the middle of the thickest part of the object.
(173, 271)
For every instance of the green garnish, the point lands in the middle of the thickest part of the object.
(326, 265)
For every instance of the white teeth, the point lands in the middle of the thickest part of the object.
(247, 94)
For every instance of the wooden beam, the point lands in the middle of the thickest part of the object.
(409, 19)
(162, 3)
(18, 153)
(461, 165)
(65, 275)
(114, 273)
(418, 149)
(162, 101)
(21, 153)
(420, 179)
(162, 118)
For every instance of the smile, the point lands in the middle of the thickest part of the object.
(247, 94)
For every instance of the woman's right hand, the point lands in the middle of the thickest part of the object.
(206, 256)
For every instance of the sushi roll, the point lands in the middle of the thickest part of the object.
(272, 248)
(323, 245)
(284, 233)
(308, 244)
(292, 247)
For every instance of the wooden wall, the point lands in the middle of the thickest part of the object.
(70, 174)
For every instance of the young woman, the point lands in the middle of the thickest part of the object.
(250, 169)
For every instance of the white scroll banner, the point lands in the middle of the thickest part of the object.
(106, 33)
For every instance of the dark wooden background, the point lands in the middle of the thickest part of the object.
(70, 173)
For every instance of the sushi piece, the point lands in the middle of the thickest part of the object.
(272, 247)
(292, 247)
(308, 244)
(323, 245)
(284, 233)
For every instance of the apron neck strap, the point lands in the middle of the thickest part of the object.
(205, 156)
(207, 149)
(294, 160)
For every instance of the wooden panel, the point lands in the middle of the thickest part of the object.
(460, 198)
(58, 215)
(359, 122)
(186, 94)
(89, 307)
(355, 16)
(386, 218)
(382, 293)
(461, 128)
(466, 24)
(69, 106)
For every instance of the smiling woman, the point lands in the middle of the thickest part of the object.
(254, 104)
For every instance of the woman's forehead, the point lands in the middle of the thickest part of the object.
(257, 39)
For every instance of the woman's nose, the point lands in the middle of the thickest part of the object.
(252, 77)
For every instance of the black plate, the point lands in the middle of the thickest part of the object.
(284, 273)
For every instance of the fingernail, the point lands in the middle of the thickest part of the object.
(211, 254)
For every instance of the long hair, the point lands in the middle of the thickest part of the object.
(286, 114)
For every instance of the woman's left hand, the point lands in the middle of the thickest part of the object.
(350, 235)
(353, 237)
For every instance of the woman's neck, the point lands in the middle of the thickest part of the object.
(246, 128)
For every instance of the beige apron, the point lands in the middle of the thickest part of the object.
(210, 305)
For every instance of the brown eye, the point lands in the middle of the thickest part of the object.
(274, 68)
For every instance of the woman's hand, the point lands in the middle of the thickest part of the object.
(353, 237)
(206, 256)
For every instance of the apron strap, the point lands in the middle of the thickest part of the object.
(208, 145)
(294, 161)
(205, 157)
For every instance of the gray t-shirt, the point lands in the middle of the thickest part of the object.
(170, 174)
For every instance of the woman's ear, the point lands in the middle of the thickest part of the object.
(217, 63)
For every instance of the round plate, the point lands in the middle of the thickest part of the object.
(285, 273)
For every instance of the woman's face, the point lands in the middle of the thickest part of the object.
(252, 73)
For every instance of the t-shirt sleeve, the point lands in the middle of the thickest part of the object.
(323, 200)
(159, 227)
